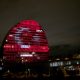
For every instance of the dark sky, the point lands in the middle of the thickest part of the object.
(59, 18)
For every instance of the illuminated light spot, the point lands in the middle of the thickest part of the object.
(77, 62)
(6, 40)
(44, 47)
(39, 31)
(26, 55)
(51, 65)
(33, 52)
(7, 46)
(57, 59)
(11, 35)
(12, 46)
(25, 46)
(8, 71)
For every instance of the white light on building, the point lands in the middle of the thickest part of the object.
(6, 40)
(26, 55)
(25, 46)
(11, 35)
(39, 31)
(33, 52)
(77, 62)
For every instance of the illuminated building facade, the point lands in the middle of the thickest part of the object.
(26, 42)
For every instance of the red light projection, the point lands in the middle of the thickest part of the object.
(26, 40)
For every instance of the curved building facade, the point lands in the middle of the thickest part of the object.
(26, 42)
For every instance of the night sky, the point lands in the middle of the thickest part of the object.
(59, 18)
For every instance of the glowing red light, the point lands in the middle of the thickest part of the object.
(29, 22)
(26, 36)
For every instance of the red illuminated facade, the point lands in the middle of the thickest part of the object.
(26, 42)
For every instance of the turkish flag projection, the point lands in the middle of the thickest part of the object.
(26, 42)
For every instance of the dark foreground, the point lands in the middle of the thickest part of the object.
(41, 78)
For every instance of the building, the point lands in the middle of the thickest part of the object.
(26, 44)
